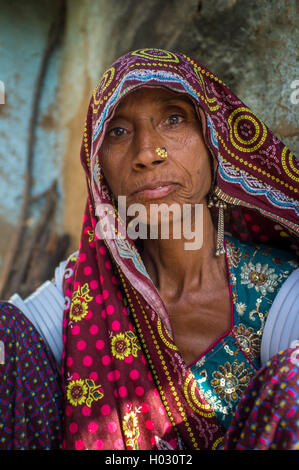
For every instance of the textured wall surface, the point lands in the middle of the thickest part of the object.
(251, 45)
(23, 32)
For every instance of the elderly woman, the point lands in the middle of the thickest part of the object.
(165, 343)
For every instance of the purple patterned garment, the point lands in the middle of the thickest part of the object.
(30, 394)
(267, 417)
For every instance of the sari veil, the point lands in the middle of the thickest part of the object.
(126, 385)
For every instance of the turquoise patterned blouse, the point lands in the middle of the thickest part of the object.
(223, 372)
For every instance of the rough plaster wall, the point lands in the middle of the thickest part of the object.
(23, 32)
(251, 45)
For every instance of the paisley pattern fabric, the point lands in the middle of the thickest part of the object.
(224, 372)
(126, 385)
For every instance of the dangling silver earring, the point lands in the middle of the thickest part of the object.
(214, 201)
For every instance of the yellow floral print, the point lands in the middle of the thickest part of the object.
(79, 304)
(83, 391)
(120, 346)
(131, 429)
(91, 235)
(76, 392)
(124, 344)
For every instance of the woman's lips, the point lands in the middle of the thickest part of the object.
(156, 192)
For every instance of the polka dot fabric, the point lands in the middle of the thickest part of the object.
(112, 400)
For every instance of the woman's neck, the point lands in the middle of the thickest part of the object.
(176, 270)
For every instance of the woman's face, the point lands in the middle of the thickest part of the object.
(144, 120)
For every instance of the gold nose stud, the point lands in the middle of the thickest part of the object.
(162, 152)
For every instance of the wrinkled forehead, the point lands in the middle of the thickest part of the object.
(153, 95)
(115, 87)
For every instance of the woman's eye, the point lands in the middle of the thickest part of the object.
(174, 119)
(116, 132)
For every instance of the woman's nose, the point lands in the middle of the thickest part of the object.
(144, 149)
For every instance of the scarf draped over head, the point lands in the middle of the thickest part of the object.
(126, 384)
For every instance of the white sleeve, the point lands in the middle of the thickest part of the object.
(282, 324)
(44, 308)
